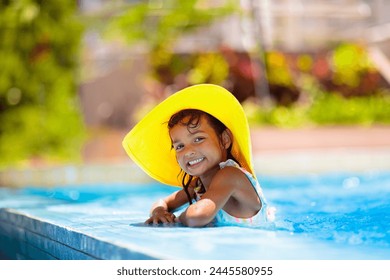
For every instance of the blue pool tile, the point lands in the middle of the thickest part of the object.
(34, 253)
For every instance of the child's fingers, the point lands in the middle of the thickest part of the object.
(170, 218)
(160, 219)
(167, 218)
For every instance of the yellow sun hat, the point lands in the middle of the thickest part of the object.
(149, 145)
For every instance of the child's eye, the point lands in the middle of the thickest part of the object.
(199, 139)
(178, 147)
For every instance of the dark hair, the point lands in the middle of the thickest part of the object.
(192, 123)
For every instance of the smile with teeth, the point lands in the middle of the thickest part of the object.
(195, 161)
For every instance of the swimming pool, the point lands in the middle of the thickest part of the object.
(319, 216)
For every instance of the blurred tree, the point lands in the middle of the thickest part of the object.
(280, 78)
(300, 84)
(39, 112)
(157, 25)
(354, 74)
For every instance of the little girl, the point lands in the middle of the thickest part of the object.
(199, 138)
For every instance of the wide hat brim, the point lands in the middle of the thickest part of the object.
(149, 145)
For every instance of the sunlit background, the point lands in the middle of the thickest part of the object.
(75, 76)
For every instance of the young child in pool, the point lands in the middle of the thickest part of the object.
(199, 138)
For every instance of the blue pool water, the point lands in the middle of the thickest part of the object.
(329, 216)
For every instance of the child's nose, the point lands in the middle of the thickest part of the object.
(189, 152)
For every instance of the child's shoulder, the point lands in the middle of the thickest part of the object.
(230, 175)
(231, 167)
(227, 163)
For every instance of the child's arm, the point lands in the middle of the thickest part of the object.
(161, 210)
(221, 189)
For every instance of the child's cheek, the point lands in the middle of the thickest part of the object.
(180, 162)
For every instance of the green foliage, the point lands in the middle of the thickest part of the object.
(157, 25)
(306, 89)
(325, 109)
(39, 113)
(209, 68)
(278, 71)
(341, 87)
(350, 62)
(366, 110)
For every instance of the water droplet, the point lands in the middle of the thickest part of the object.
(350, 183)
(74, 195)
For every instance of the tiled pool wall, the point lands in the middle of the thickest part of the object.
(26, 237)
(30, 231)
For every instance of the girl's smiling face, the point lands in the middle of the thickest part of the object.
(199, 149)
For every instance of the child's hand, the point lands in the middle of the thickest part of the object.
(161, 215)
